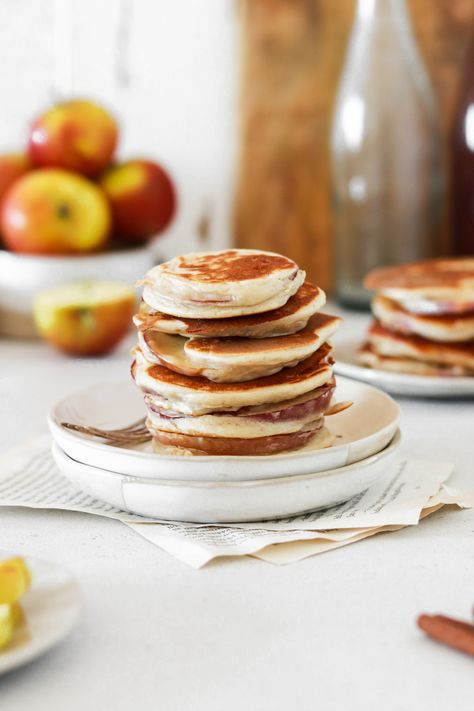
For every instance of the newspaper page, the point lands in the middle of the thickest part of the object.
(29, 477)
(290, 553)
(197, 545)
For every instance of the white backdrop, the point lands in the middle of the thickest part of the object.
(166, 68)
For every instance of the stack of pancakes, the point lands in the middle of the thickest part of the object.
(232, 353)
(424, 318)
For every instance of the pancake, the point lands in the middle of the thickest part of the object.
(289, 318)
(433, 286)
(236, 359)
(233, 282)
(236, 446)
(387, 343)
(196, 395)
(263, 421)
(369, 356)
(444, 328)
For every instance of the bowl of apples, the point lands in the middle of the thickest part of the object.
(71, 212)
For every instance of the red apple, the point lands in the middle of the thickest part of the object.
(54, 212)
(76, 135)
(12, 167)
(142, 198)
(86, 318)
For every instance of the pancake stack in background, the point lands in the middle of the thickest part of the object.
(233, 354)
(424, 318)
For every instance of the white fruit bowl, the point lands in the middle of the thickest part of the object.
(22, 276)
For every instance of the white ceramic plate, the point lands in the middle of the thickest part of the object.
(51, 608)
(226, 502)
(398, 383)
(362, 430)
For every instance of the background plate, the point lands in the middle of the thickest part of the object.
(362, 430)
(398, 383)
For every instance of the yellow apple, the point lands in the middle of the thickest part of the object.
(77, 135)
(85, 319)
(54, 211)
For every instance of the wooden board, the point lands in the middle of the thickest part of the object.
(292, 54)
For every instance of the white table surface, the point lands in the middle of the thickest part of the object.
(335, 631)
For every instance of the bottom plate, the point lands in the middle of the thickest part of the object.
(347, 364)
(227, 502)
(51, 608)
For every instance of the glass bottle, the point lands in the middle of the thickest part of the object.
(385, 152)
(462, 207)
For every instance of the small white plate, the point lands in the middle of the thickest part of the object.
(398, 383)
(362, 430)
(51, 607)
(227, 502)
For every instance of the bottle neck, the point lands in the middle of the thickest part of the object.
(382, 11)
(385, 26)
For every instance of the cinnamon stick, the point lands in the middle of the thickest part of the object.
(446, 630)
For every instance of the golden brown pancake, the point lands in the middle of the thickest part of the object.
(235, 446)
(262, 421)
(236, 359)
(197, 395)
(433, 286)
(388, 343)
(443, 328)
(369, 356)
(233, 282)
(455, 272)
(289, 318)
(231, 265)
(290, 376)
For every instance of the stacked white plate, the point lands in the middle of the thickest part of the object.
(213, 489)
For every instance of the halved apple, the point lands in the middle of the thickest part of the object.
(86, 318)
